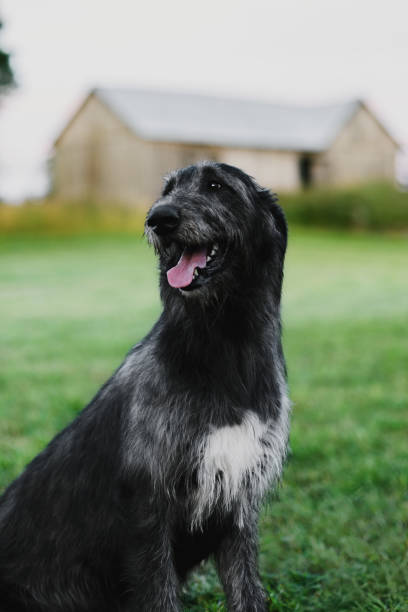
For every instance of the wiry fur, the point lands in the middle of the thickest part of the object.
(168, 463)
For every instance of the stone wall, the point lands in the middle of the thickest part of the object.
(277, 170)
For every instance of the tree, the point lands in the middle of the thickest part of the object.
(6, 72)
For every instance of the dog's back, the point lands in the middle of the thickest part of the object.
(169, 462)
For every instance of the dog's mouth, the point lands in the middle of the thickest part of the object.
(194, 267)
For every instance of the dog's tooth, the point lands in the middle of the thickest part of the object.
(212, 252)
(195, 274)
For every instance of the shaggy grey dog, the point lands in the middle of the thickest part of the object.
(169, 462)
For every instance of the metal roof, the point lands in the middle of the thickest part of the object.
(199, 119)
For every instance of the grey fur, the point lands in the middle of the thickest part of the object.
(172, 435)
(169, 463)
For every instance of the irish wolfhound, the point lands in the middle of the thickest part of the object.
(168, 463)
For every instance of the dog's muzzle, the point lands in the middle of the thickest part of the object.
(196, 260)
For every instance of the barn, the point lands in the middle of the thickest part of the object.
(120, 143)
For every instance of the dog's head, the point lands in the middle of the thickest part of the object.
(216, 232)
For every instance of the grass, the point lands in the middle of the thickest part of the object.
(52, 217)
(336, 537)
(373, 206)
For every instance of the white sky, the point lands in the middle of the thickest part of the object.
(284, 50)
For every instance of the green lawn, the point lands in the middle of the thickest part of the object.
(336, 536)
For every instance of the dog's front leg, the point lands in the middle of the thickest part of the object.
(152, 576)
(237, 565)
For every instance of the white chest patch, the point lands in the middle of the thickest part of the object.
(237, 463)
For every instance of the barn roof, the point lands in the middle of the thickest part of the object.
(199, 119)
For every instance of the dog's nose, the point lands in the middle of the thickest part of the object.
(163, 220)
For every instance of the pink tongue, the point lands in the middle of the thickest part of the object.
(182, 274)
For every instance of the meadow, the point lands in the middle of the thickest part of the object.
(334, 537)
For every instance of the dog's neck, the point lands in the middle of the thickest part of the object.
(232, 341)
(250, 314)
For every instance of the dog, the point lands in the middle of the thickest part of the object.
(169, 462)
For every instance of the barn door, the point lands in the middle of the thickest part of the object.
(305, 171)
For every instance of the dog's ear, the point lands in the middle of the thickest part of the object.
(275, 215)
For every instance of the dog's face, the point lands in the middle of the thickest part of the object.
(215, 231)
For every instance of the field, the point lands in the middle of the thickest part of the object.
(335, 538)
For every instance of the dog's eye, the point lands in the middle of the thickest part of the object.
(213, 186)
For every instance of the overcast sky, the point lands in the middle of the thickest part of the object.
(302, 51)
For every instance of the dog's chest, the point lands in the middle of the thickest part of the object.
(232, 451)
(237, 463)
